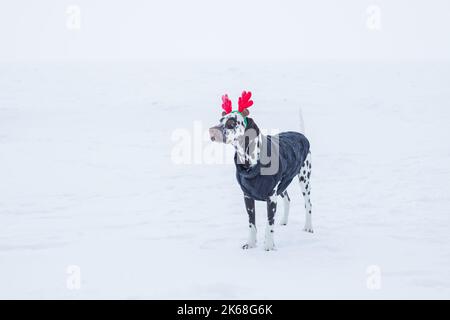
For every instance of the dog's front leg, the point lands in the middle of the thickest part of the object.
(271, 210)
(250, 207)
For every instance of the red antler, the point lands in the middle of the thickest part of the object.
(244, 101)
(226, 104)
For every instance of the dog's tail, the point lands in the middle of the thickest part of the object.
(302, 122)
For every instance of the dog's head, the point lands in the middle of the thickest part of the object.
(233, 124)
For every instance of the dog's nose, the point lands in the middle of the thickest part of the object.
(215, 134)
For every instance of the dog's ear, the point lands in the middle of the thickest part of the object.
(252, 125)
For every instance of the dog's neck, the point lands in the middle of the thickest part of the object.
(248, 147)
(248, 153)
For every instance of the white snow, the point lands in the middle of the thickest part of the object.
(88, 180)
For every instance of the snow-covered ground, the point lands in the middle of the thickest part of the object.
(91, 188)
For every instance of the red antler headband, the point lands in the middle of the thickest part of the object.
(226, 104)
(244, 101)
(243, 104)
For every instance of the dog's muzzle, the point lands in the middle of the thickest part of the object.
(216, 134)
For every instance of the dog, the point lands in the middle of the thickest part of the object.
(265, 165)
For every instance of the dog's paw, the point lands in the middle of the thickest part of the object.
(269, 246)
(249, 246)
(283, 223)
(308, 229)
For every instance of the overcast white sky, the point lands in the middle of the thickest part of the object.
(224, 29)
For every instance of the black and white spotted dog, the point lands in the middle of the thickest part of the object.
(265, 165)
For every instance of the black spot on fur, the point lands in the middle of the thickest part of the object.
(285, 195)
(250, 206)
(302, 178)
(309, 174)
(271, 209)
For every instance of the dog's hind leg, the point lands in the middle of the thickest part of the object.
(286, 202)
(250, 207)
(305, 184)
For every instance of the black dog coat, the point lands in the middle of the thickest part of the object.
(259, 181)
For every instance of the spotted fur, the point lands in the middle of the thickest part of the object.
(305, 185)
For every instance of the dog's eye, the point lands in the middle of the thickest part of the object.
(230, 124)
